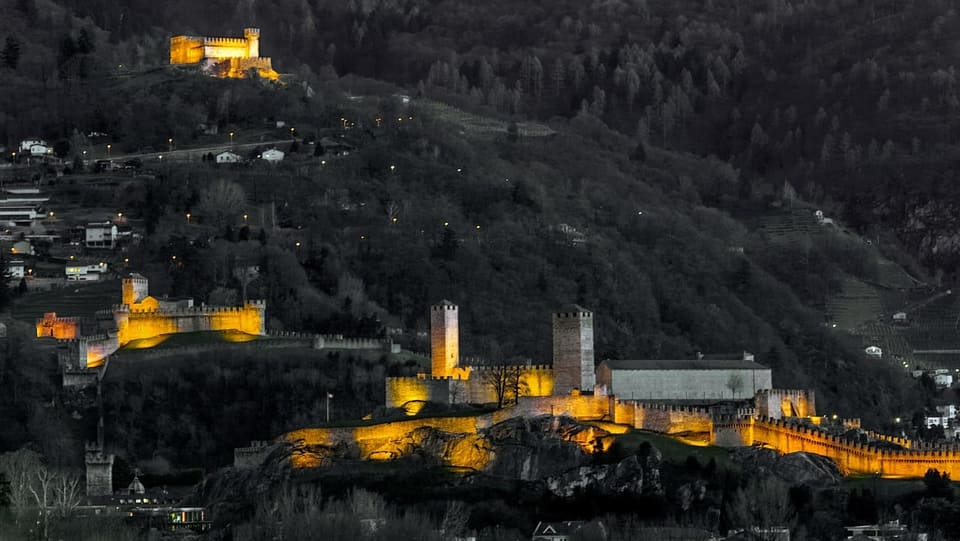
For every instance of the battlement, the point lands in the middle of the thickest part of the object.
(578, 314)
(203, 310)
(444, 305)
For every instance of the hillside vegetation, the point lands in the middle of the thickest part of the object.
(679, 129)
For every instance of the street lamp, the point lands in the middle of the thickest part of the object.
(188, 217)
(109, 147)
(170, 143)
(231, 138)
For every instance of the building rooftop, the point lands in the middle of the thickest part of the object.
(682, 364)
(569, 308)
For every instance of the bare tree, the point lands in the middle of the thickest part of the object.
(504, 379)
(761, 507)
(67, 493)
(222, 201)
(19, 468)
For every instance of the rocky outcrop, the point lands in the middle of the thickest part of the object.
(792, 468)
(632, 475)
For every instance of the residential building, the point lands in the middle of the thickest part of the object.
(85, 273)
(101, 235)
(228, 157)
(272, 155)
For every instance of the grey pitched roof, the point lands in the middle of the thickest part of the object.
(682, 364)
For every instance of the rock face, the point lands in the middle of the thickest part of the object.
(629, 476)
(793, 468)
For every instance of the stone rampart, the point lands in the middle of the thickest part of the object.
(779, 403)
(851, 457)
(254, 455)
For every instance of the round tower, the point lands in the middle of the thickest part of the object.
(252, 35)
(573, 366)
(444, 338)
(136, 287)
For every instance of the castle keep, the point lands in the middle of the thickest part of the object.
(223, 57)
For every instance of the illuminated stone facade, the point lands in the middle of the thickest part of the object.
(573, 349)
(145, 321)
(444, 339)
(223, 57)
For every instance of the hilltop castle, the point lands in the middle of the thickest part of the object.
(142, 317)
(572, 372)
(223, 57)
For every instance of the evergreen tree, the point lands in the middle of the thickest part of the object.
(11, 53)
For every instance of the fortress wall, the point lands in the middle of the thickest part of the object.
(668, 419)
(339, 342)
(137, 324)
(61, 328)
(220, 50)
(252, 456)
(583, 407)
(399, 391)
(186, 50)
(778, 403)
(850, 457)
(367, 440)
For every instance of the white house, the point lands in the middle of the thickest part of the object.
(900, 317)
(932, 421)
(85, 273)
(40, 150)
(26, 146)
(228, 157)
(272, 155)
(101, 235)
(942, 381)
(948, 410)
(16, 269)
(874, 351)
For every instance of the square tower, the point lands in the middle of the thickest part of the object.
(444, 338)
(99, 471)
(252, 35)
(136, 287)
(573, 350)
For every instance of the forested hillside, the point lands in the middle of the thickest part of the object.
(677, 125)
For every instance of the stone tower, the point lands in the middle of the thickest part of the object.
(444, 338)
(573, 350)
(99, 466)
(136, 287)
(252, 36)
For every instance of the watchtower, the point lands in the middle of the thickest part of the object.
(136, 287)
(99, 466)
(444, 338)
(573, 350)
(252, 35)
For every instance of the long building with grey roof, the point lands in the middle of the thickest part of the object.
(684, 379)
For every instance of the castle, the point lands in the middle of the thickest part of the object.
(223, 57)
(144, 319)
(572, 372)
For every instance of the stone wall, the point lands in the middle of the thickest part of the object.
(779, 403)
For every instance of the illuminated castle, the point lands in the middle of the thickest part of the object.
(146, 319)
(223, 57)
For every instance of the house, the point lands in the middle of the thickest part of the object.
(874, 351)
(272, 155)
(556, 531)
(85, 273)
(16, 269)
(934, 420)
(943, 381)
(40, 150)
(900, 317)
(948, 410)
(27, 145)
(228, 157)
(22, 248)
(101, 235)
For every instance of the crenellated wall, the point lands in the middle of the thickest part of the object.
(850, 457)
(61, 328)
(137, 324)
(465, 384)
(223, 57)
